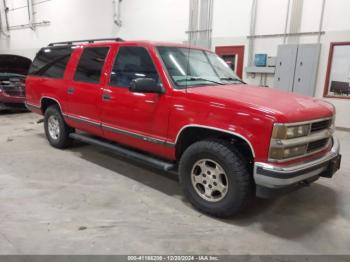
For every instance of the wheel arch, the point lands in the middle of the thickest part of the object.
(190, 134)
(47, 101)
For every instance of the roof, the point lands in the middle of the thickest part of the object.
(119, 41)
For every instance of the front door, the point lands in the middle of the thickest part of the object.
(233, 56)
(135, 119)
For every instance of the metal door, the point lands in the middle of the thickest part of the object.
(306, 69)
(285, 67)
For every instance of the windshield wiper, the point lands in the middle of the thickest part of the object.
(231, 79)
(193, 78)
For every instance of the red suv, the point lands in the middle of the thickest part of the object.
(13, 70)
(182, 108)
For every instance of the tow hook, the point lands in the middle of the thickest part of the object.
(304, 183)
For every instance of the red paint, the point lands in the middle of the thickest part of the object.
(247, 111)
(233, 50)
(9, 99)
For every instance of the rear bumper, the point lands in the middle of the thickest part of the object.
(271, 179)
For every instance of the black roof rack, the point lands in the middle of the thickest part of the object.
(86, 41)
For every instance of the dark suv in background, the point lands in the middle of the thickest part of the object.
(13, 70)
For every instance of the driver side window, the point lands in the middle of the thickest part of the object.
(132, 62)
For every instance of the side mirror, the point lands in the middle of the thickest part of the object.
(145, 85)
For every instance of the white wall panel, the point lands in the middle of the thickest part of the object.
(337, 15)
(155, 19)
(271, 16)
(311, 15)
(236, 20)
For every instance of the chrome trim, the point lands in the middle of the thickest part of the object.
(305, 122)
(216, 129)
(120, 131)
(301, 156)
(136, 135)
(278, 143)
(271, 182)
(82, 119)
(54, 99)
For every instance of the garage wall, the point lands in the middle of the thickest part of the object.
(167, 20)
(270, 19)
(84, 19)
(159, 20)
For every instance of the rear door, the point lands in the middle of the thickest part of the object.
(84, 92)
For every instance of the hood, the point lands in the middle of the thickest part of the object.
(280, 105)
(14, 64)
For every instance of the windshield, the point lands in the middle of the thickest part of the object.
(193, 67)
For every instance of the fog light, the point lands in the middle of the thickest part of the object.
(282, 153)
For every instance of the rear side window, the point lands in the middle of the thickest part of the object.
(51, 62)
(132, 62)
(90, 65)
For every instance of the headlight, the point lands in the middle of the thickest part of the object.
(283, 153)
(287, 132)
(332, 126)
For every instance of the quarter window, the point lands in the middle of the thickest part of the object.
(132, 62)
(90, 65)
(51, 62)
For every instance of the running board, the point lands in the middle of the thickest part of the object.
(121, 151)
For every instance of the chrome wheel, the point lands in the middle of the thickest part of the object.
(209, 180)
(53, 127)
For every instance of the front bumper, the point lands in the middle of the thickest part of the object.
(5, 98)
(272, 179)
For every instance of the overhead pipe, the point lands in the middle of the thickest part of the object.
(200, 23)
(252, 32)
(117, 12)
(193, 22)
(6, 9)
(30, 14)
(295, 22)
(210, 22)
(286, 23)
(321, 21)
(2, 31)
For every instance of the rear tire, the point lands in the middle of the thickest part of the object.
(215, 178)
(56, 130)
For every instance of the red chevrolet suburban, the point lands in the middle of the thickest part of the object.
(182, 108)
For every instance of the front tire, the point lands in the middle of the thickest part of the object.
(56, 130)
(215, 178)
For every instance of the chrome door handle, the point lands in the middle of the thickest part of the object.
(70, 90)
(106, 97)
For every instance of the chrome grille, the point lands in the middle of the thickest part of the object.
(318, 126)
(318, 138)
(317, 145)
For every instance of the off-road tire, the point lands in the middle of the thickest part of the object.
(240, 182)
(63, 140)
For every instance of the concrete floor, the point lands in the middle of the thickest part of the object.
(84, 200)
